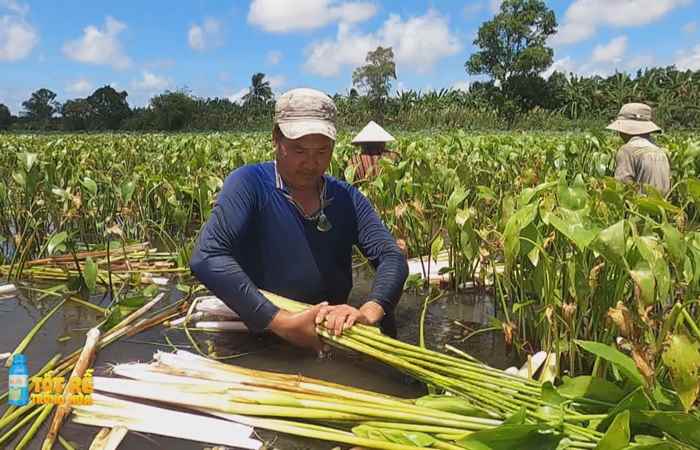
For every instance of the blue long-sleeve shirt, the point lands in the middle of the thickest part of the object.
(257, 239)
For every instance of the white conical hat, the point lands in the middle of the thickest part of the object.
(372, 133)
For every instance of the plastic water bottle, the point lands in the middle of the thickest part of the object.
(18, 394)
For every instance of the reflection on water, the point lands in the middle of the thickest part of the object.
(18, 315)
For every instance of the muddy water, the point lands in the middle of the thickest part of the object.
(18, 314)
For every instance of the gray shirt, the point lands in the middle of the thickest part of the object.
(641, 161)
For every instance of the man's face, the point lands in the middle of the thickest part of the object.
(302, 162)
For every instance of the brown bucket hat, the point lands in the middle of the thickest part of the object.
(305, 111)
(634, 119)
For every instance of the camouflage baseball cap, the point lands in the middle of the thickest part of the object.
(304, 111)
(634, 119)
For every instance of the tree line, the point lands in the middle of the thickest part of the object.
(512, 54)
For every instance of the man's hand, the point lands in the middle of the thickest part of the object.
(300, 328)
(342, 317)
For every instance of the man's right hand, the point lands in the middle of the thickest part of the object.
(298, 328)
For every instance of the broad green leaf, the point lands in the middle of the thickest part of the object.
(645, 283)
(573, 197)
(674, 243)
(591, 387)
(462, 216)
(455, 200)
(90, 185)
(617, 437)
(529, 194)
(509, 437)
(623, 362)
(90, 274)
(651, 250)
(655, 206)
(410, 438)
(572, 225)
(350, 173)
(612, 197)
(57, 243)
(514, 227)
(683, 427)
(611, 243)
(682, 357)
(436, 247)
(28, 159)
(636, 400)
(127, 191)
(61, 193)
(517, 418)
(485, 193)
(19, 178)
(694, 189)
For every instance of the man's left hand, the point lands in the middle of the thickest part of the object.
(342, 317)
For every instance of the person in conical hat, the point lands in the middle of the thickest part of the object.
(372, 140)
(640, 160)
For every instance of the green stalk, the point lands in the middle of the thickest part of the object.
(10, 409)
(66, 445)
(102, 311)
(45, 411)
(28, 338)
(418, 427)
(17, 427)
(412, 415)
(468, 373)
(18, 412)
(691, 323)
(438, 357)
(447, 383)
(326, 434)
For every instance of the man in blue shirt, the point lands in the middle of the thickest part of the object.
(289, 228)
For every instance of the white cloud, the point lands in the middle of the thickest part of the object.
(564, 65)
(17, 38)
(164, 63)
(690, 27)
(205, 36)
(611, 52)
(493, 6)
(640, 62)
(583, 17)
(237, 97)
(276, 81)
(418, 44)
(461, 85)
(281, 16)
(274, 57)
(99, 46)
(151, 82)
(15, 7)
(689, 60)
(81, 87)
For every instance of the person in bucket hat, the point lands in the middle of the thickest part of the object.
(640, 160)
(287, 227)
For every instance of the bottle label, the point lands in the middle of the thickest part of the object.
(17, 384)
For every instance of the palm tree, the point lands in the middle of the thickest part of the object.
(259, 92)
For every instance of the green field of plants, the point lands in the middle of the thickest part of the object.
(579, 265)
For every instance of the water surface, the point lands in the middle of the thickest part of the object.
(18, 315)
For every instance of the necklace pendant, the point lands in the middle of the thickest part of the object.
(323, 224)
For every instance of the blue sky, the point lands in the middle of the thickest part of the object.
(213, 47)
